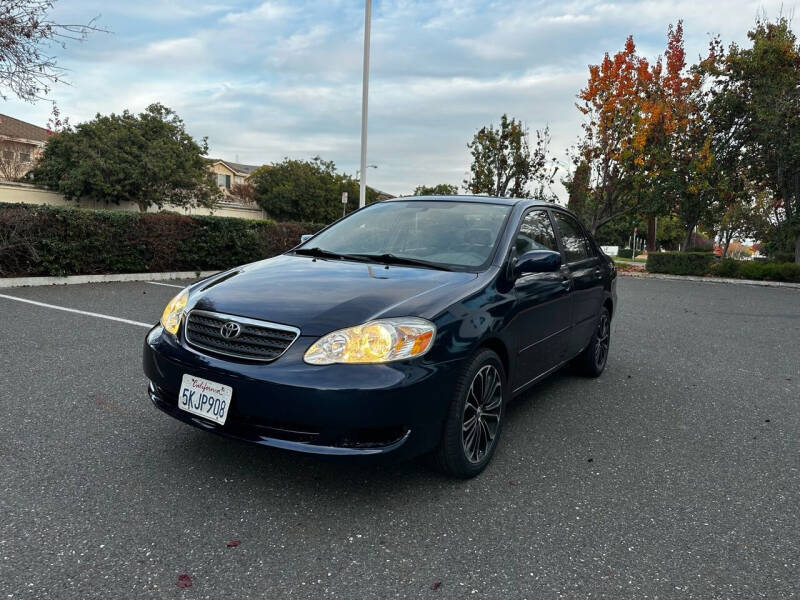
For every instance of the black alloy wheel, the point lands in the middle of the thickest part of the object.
(475, 418)
(592, 361)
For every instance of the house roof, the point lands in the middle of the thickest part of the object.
(14, 128)
(236, 167)
(381, 193)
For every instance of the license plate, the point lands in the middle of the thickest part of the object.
(205, 398)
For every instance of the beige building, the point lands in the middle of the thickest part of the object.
(21, 144)
(229, 174)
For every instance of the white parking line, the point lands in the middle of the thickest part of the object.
(80, 312)
(166, 284)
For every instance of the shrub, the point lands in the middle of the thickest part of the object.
(625, 253)
(759, 270)
(680, 263)
(770, 271)
(45, 240)
(780, 256)
(727, 268)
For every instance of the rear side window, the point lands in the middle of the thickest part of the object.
(535, 233)
(576, 245)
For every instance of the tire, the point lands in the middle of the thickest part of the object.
(465, 450)
(592, 361)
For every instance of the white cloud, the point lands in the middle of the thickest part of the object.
(266, 11)
(180, 50)
(264, 80)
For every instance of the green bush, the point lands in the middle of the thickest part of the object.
(680, 263)
(779, 256)
(759, 270)
(625, 253)
(769, 271)
(45, 240)
(727, 268)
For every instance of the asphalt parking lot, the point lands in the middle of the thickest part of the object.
(675, 475)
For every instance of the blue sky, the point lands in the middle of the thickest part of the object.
(268, 79)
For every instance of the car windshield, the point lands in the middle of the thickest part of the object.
(447, 234)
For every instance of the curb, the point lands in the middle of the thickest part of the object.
(756, 282)
(11, 282)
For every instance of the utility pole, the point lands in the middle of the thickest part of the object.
(362, 196)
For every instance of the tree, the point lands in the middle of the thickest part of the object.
(611, 105)
(643, 137)
(148, 159)
(742, 217)
(244, 193)
(678, 156)
(300, 190)
(16, 159)
(27, 69)
(441, 189)
(503, 163)
(754, 103)
(579, 189)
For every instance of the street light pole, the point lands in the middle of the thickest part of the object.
(362, 197)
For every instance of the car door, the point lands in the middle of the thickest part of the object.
(543, 312)
(583, 265)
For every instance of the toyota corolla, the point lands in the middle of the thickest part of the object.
(402, 329)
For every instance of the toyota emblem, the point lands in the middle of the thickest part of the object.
(230, 330)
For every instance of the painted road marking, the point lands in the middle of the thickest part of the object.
(166, 284)
(80, 312)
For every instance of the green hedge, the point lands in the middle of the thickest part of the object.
(757, 270)
(704, 263)
(625, 253)
(781, 257)
(680, 263)
(45, 240)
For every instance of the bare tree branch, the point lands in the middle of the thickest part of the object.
(28, 67)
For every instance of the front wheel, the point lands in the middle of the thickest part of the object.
(592, 361)
(475, 420)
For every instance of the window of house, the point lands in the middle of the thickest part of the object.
(8, 154)
(238, 180)
(25, 157)
(576, 245)
(224, 181)
(535, 233)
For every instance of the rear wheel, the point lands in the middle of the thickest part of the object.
(475, 420)
(592, 361)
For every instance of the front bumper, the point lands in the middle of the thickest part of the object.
(370, 411)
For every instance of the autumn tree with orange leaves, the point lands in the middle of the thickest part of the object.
(643, 137)
(611, 103)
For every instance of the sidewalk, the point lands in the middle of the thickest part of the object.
(12, 282)
(762, 283)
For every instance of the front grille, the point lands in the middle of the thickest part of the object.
(257, 340)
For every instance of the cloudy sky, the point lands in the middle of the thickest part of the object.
(268, 79)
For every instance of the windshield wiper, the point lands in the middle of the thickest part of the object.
(387, 259)
(320, 253)
(391, 259)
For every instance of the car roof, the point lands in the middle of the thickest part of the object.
(481, 199)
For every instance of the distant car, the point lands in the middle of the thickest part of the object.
(403, 329)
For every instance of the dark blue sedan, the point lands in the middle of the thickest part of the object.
(403, 329)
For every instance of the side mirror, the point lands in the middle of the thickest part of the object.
(304, 238)
(537, 261)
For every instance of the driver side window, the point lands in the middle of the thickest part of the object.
(535, 233)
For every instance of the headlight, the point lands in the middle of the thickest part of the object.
(378, 341)
(171, 317)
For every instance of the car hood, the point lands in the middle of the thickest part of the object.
(321, 295)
